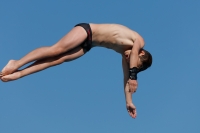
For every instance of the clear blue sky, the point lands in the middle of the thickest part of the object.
(86, 95)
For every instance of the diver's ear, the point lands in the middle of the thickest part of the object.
(141, 53)
(127, 53)
(127, 56)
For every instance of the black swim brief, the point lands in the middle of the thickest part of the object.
(87, 44)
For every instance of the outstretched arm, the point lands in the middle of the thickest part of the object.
(134, 57)
(128, 95)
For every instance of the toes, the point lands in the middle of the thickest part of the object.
(1, 74)
(5, 78)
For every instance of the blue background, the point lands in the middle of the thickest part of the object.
(86, 95)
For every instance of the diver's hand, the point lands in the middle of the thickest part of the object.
(131, 110)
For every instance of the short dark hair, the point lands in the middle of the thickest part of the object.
(146, 60)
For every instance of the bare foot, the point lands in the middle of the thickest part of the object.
(9, 68)
(11, 77)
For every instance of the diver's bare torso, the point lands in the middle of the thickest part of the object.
(114, 36)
